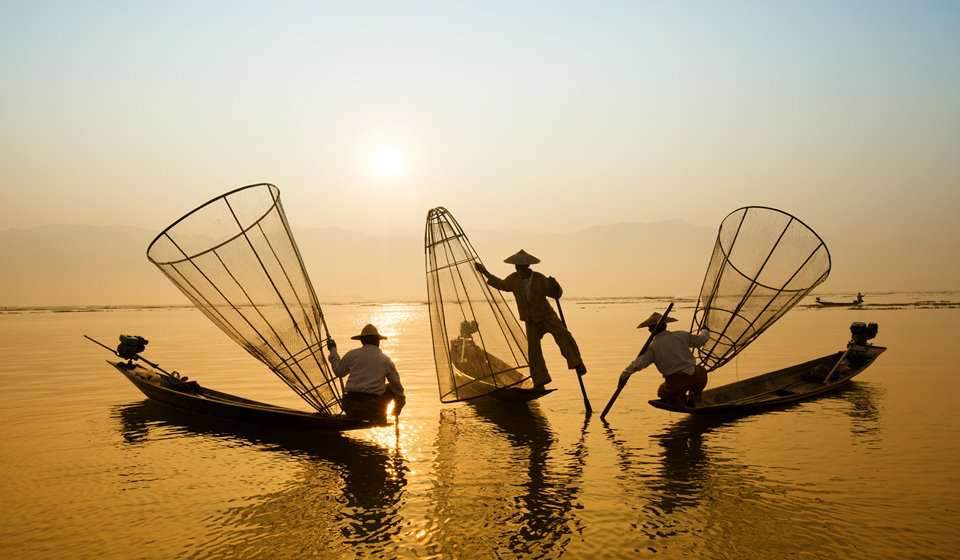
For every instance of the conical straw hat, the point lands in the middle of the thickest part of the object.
(653, 319)
(369, 330)
(521, 257)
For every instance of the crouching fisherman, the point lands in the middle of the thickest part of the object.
(684, 381)
(531, 289)
(373, 379)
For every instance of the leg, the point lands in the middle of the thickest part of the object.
(364, 406)
(673, 389)
(563, 338)
(538, 367)
(697, 385)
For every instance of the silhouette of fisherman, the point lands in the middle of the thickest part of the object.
(373, 381)
(531, 290)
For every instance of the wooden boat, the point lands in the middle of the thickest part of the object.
(516, 394)
(481, 390)
(823, 303)
(795, 383)
(192, 397)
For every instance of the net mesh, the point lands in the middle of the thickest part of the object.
(478, 344)
(764, 261)
(236, 260)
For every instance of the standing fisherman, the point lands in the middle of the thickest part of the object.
(373, 381)
(684, 380)
(531, 289)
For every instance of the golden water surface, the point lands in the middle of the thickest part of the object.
(89, 468)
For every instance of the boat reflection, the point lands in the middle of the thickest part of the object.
(518, 500)
(864, 410)
(345, 494)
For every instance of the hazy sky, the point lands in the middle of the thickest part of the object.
(518, 115)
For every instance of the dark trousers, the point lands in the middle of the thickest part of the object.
(563, 338)
(683, 389)
(367, 406)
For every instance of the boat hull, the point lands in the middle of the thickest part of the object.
(838, 304)
(796, 383)
(517, 394)
(194, 398)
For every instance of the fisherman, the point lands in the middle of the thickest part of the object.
(373, 381)
(531, 290)
(670, 351)
(859, 298)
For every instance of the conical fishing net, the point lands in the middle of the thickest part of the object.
(236, 260)
(478, 345)
(763, 263)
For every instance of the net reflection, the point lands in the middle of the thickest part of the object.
(344, 498)
(520, 500)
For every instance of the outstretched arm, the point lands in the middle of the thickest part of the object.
(492, 280)
(699, 339)
(641, 361)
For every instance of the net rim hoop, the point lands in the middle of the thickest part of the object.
(726, 253)
(274, 194)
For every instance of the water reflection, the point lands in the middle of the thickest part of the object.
(689, 485)
(546, 508)
(864, 410)
(520, 499)
(661, 481)
(344, 496)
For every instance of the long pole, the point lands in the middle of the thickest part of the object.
(583, 390)
(646, 345)
(835, 366)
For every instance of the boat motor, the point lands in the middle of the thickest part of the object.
(863, 332)
(131, 346)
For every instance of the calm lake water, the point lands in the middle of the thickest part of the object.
(89, 468)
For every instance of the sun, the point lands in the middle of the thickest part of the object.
(387, 162)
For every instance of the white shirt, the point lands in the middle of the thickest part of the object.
(670, 350)
(369, 369)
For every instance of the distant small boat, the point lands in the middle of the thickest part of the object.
(192, 397)
(857, 301)
(795, 383)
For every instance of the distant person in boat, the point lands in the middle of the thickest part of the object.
(859, 298)
(373, 379)
(531, 290)
(683, 380)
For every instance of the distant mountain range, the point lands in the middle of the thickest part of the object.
(85, 265)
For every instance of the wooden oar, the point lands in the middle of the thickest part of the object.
(583, 390)
(622, 384)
